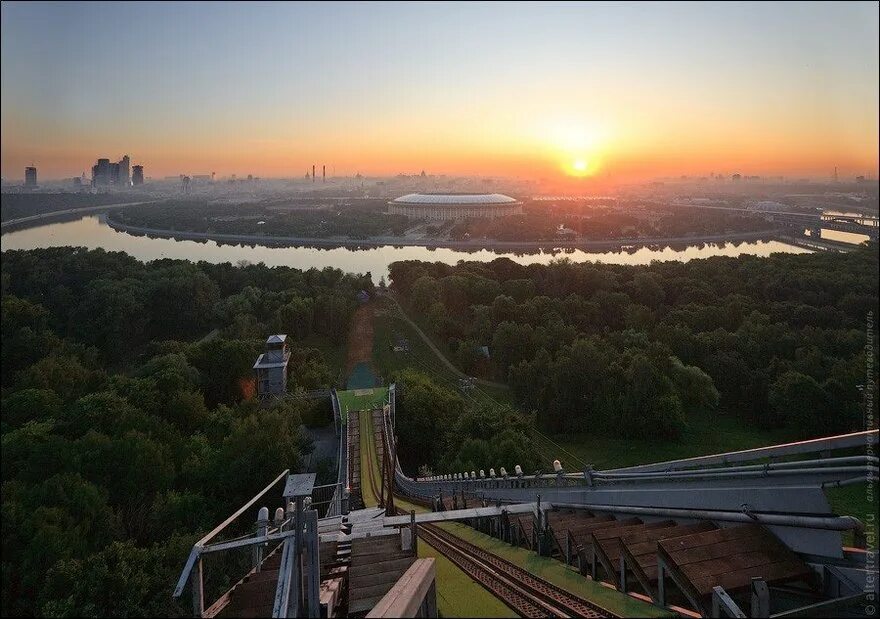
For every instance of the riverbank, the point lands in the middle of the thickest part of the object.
(474, 244)
(9, 223)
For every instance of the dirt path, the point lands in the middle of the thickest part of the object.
(359, 355)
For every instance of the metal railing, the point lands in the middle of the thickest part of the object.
(842, 470)
(725, 606)
(194, 570)
(327, 500)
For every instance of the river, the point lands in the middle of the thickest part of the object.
(92, 232)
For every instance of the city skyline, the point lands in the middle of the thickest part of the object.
(616, 93)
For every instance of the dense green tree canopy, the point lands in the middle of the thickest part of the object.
(126, 433)
(637, 350)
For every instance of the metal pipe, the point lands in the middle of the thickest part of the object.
(830, 523)
(829, 443)
(762, 473)
(867, 460)
(845, 482)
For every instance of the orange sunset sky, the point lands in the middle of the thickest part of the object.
(619, 92)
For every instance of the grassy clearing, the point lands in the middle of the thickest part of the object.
(389, 327)
(361, 399)
(706, 435)
(853, 501)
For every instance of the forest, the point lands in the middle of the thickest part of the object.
(540, 221)
(126, 433)
(441, 431)
(597, 222)
(635, 351)
(316, 218)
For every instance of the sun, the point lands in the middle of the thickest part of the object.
(581, 167)
(578, 146)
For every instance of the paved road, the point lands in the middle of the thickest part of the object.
(436, 351)
(70, 211)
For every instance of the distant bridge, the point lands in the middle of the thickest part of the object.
(867, 225)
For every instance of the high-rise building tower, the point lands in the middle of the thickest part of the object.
(313, 173)
(102, 173)
(836, 178)
(137, 175)
(323, 174)
(30, 176)
(124, 171)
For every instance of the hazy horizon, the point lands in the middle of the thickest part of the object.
(613, 93)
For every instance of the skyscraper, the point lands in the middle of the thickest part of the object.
(137, 175)
(105, 173)
(30, 176)
(101, 173)
(124, 174)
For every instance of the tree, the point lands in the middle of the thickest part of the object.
(259, 447)
(121, 580)
(424, 409)
(30, 405)
(798, 402)
(110, 316)
(180, 304)
(296, 317)
(223, 366)
(64, 374)
(425, 292)
(25, 334)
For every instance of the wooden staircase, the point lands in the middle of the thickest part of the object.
(254, 596)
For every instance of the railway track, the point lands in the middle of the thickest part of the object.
(524, 592)
(528, 595)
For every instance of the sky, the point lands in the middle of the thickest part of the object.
(610, 91)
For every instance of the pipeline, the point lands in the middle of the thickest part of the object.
(828, 523)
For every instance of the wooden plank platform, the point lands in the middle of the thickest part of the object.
(729, 557)
(377, 563)
(606, 547)
(640, 551)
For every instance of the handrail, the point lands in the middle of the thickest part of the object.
(770, 466)
(282, 587)
(829, 523)
(712, 465)
(412, 591)
(199, 546)
(828, 443)
(241, 510)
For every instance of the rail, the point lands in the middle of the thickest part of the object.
(339, 505)
(193, 571)
(413, 595)
(816, 445)
(828, 470)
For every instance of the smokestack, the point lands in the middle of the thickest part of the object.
(313, 173)
(323, 174)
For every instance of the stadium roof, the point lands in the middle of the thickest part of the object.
(454, 198)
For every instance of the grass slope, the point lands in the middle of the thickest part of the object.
(458, 595)
(389, 327)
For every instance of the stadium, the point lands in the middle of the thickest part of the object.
(446, 206)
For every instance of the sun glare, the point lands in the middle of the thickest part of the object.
(581, 167)
(578, 146)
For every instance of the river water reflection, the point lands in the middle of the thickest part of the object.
(91, 232)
